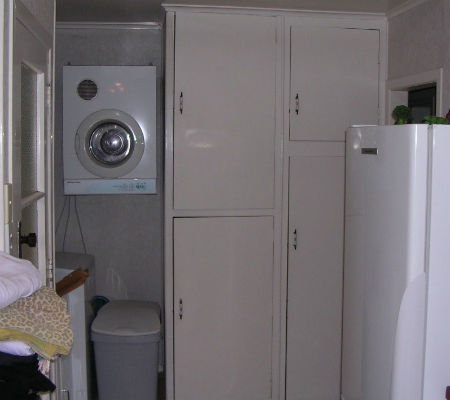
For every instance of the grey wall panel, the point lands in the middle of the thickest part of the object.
(123, 232)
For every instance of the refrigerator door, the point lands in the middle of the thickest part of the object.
(384, 272)
(437, 341)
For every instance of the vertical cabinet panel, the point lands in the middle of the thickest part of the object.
(223, 307)
(224, 120)
(334, 81)
(316, 206)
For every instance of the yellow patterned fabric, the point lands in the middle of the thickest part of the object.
(41, 320)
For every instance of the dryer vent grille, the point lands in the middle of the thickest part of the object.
(87, 89)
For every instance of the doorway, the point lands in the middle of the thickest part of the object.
(422, 102)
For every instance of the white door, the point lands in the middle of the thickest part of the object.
(223, 268)
(316, 219)
(334, 81)
(224, 136)
(30, 146)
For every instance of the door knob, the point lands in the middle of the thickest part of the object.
(30, 239)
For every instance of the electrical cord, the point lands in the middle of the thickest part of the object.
(68, 200)
(58, 221)
(67, 224)
(79, 226)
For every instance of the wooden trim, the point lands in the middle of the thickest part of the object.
(72, 281)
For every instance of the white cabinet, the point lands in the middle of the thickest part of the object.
(224, 79)
(316, 207)
(333, 78)
(248, 315)
(334, 81)
(223, 270)
(224, 117)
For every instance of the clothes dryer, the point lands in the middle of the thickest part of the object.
(109, 129)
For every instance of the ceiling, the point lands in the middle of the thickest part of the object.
(151, 10)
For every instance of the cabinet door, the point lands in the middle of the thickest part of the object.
(224, 128)
(316, 206)
(334, 81)
(223, 307)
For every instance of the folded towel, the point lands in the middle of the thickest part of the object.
(16, 348)
(18, 278)
(41, 320)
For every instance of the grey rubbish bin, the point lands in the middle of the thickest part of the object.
(126, 335)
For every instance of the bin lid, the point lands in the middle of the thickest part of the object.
(129, 318)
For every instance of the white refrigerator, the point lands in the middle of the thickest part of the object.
(396, 318)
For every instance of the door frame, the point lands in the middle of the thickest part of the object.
(16, 11)
(10, 12)
(397, 90)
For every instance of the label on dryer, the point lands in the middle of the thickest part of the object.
(109, 186)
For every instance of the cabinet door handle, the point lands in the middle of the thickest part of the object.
(181, 103)
(180, 308)
(297, 104)
(294, 239)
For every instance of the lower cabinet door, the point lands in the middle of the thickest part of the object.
(314, 303)
(223, 270)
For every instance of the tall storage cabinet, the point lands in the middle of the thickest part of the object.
(257, 103)
(333, 77)
(221, 206)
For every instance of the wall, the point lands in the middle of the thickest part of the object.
(123, 232)
(419, 41)
(44, 11)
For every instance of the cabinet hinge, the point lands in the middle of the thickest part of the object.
(50, 274)
(7, 202)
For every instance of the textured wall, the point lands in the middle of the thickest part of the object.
(123, 232)
(419, 41)
(43, 10)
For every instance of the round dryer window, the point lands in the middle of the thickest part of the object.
(109, 143)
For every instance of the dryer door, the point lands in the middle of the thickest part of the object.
(109, 143)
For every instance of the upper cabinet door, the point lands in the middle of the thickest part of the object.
(334, 81)
(224, 134)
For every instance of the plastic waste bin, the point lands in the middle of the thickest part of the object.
(126, 335)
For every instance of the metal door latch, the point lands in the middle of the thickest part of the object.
(294, 239)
